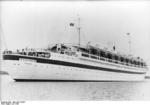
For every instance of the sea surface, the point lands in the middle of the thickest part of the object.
(52, 90)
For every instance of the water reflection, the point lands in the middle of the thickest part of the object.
(12, 90)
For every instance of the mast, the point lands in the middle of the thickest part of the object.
(2, 39)
(129, 36)
(79, 29)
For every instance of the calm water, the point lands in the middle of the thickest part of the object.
(11, 90)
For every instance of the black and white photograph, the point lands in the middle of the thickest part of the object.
(84, 50)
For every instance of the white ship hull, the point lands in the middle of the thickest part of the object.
(20, 70)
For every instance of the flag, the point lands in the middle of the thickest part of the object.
(71, 24)
(128, 33)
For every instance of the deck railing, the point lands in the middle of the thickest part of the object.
(82, 54)
(109, 60)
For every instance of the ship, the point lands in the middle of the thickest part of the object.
(74, 62)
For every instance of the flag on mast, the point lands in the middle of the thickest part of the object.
(128, 33)
(71, 24)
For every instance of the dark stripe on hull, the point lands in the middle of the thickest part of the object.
(63, 63)
(55, 80)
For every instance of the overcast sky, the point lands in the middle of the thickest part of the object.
(37, 24)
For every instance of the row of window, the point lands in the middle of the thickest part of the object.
(120, 59)
(37, 54)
